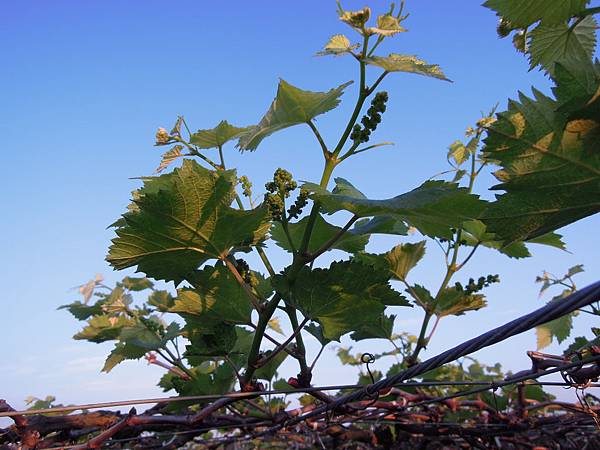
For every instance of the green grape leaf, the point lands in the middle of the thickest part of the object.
(406, 63)
(322, 232)
(382, 329)
(398, 261)
(449, 302)
(387, 25)
(170, 156)
(345, 297)
(292, 106)
(338, 45)
(136, 284)
(317, 331)
(123, 351)
(559, 329)
(433, 208)
(103, 328)
(215, 339)
(269, 370)
(402, 258)
(161, 300)
(452, 302)
(381, 225)
(275, 325)
(522, 13)
(217, 136)
(81, 311)
(181, 220)
(578, 82)
(549, 239)
(550, 169)
(554, 43)
(217, 297)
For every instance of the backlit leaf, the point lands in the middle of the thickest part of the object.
(522, 13)
(433, 208)
(406, 63)
(292, 106)
(322, 232)
(338, 45)
(217, 136)
(556, 43)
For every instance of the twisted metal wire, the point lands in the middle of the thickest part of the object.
(551, 311)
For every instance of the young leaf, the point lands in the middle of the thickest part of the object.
(522, 13)
(168, 157)
(136, 284)
(103, 328)
(338, 45)
(122, 352)
(346, 297)
(559, 329)
(406, 63)
(433, 208)
(275, 325)
(81, 311)
(292, 106)
(322, 232)
(550, 169)
(161, 300)
(181, 220)
(217, 136)
(451, 301)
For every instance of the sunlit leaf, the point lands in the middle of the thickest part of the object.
(181, 220)
(338, 45)
(406, 63)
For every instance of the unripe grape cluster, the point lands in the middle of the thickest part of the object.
(362, 134)
(244, 270)
(278, 190)
(246, 186)
(476, 286)
(296, 209)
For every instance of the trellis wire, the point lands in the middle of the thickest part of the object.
(250, 395)
(540, 316)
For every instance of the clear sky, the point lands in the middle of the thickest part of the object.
(85, 85)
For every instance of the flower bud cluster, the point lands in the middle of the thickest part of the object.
(244, 270)
(474, 287)
(277, 191)
(296, 209)
(246, 186)
(162, 137)
(370, 120)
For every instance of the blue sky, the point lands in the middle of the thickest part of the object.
(86, 84)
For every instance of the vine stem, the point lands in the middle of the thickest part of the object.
(281, 347)
(451, 269)
(245, 286)
(195, 152)
(263, 320)
(319, 138)
(327, 245)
